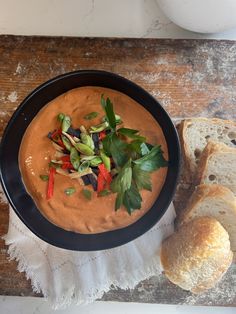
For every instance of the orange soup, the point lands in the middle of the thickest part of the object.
(75, 212)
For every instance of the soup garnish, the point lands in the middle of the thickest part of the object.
(108, 156)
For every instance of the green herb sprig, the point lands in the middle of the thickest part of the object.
(134, 159)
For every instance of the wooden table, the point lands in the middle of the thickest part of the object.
(189, 78)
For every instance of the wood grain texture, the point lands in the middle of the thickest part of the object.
(189, 77)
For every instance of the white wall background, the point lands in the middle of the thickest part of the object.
(113, 18)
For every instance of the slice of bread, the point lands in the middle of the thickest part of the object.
(197, 255)
(215, 201)
(218, 166)
(195, 134)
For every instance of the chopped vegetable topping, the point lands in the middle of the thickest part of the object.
(104, 193)
(84, 166)
(99, 128)
(87, 194)
(101, 182)
(66, 142)
(60, 117)
(87, 140)
(74, 158)
(66, 122)
(105, 173)
(52, 172)
(70, 191)
(85, 179)
(44, 177)
(93, 180)
(74, 132)
(65, 158)
(91, 115)
(67, 165)
(111, 159)
(102, 135)
(106, 160)
(84, 149)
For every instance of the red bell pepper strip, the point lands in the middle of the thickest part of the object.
(56, 137)
(105, 173)
(59, 142)
(101, 182)
(102, 135)
(50, 188)
(65, 158)
(67, 165)
(55, 133)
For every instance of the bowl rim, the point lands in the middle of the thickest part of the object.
(97, 241)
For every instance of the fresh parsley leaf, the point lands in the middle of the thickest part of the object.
(87, 194)
(134, 149)
(108, 108)
(152, 161)
(122, 182)
(127, 132)
(144, 149)
(106, 142)
(91, 115)
(70, 191)
(137, 149)
(118, 119)
(118, 150)
(44, 177)
(142, 178)
(74, 158)
(131, 134)
(132, 199)
(149, 146)
(119, 201)
(66, 122)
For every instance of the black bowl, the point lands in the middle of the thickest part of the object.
(21, 201)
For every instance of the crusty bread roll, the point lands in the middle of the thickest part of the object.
(216, 201)
(197, 255)
(195, 134)
(218, 166)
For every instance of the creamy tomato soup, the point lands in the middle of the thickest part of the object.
(75, 212)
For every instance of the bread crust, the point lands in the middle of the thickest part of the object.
(191, 167)
(216, 275)
(189, 170)
(211, 148)
(197, 255)
(201, 192)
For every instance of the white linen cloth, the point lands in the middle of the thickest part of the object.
(66, 277)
